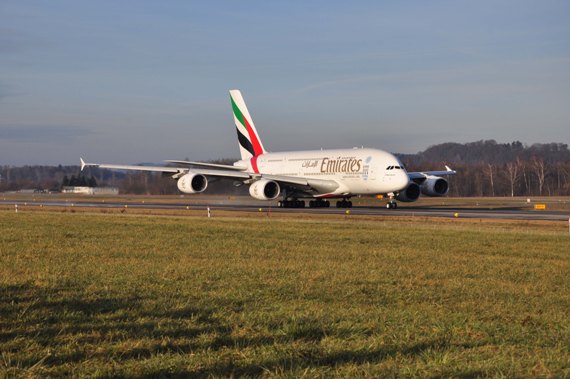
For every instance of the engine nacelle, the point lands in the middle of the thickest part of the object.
(411, 193)
(192, 183)
(264, 189)
(435, 186)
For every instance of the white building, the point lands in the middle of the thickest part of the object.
(91, 190)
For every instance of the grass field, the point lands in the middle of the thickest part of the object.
(143, 296)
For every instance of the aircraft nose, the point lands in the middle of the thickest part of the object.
(402, 179)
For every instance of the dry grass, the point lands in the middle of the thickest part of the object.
(135, 295)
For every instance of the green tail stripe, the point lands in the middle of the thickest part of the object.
(238, 113)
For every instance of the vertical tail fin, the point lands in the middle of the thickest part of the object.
(249, 143)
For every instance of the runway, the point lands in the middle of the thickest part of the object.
(243, 205)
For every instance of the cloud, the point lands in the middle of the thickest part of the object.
(42, 133)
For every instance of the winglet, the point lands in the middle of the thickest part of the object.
(82, 163)
(447, 168)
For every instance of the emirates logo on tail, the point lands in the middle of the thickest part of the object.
(249, 142)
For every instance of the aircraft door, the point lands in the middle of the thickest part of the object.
(369, 173)
(275, 165)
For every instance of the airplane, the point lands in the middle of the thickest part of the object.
(317, 175)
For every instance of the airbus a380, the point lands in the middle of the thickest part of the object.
(318, 175)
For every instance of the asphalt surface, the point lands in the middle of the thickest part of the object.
(251, 206)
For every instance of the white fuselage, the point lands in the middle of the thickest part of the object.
(357, 171)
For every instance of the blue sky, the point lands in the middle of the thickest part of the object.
(144, 81)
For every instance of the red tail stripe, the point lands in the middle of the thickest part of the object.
(254, 141)
(253, 161)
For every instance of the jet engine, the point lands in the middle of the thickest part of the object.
(411, 193)
(192, 183)
(435, 186)
(264, 189)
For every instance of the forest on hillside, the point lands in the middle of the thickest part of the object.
(484, 168)
(488, 168)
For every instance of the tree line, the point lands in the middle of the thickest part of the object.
(53, 178)
(484, 168)
(488, 168)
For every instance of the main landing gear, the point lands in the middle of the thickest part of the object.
(319, 203)
(291, 204)
(344, 203)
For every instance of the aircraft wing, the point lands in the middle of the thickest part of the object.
(319, 185)
(424, 174)
(210, 165)
(169, 169)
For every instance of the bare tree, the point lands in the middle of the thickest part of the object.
(561, 177)
(490, 172)
(540, 172)
(513, 174)
(526, 177)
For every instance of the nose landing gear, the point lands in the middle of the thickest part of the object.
(391, 205)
